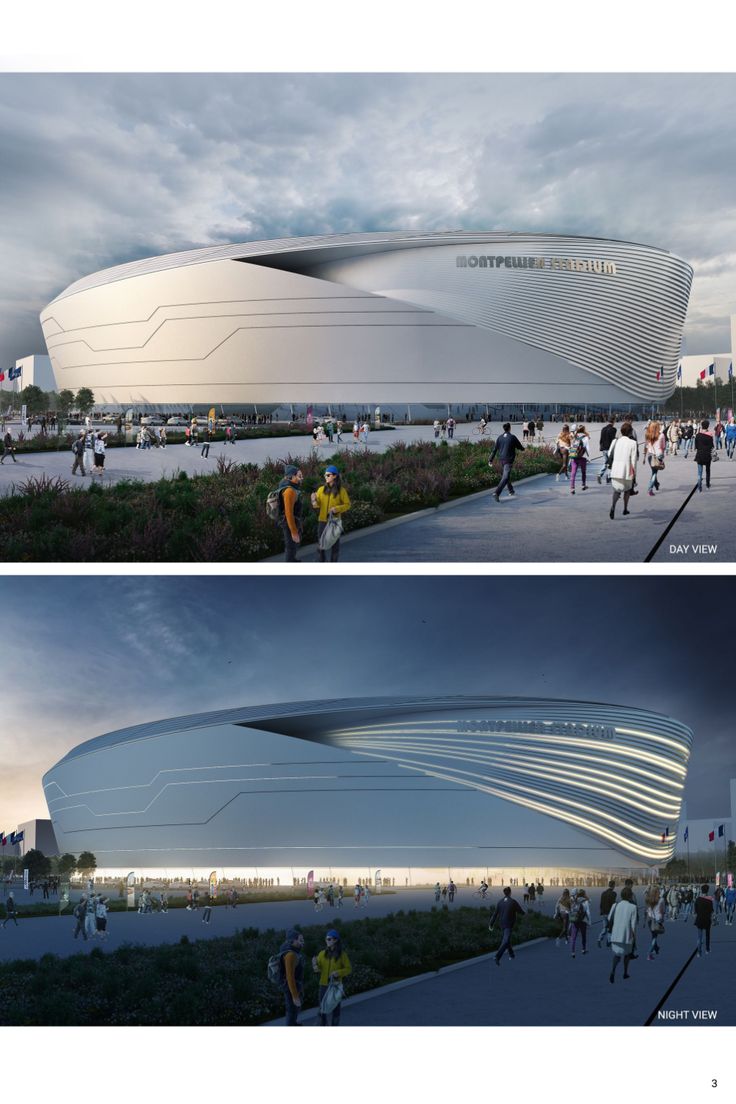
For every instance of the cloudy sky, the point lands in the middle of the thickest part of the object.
(85, 656)
(101, 169)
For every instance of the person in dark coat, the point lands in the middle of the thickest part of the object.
(505, 913)
(703, 453)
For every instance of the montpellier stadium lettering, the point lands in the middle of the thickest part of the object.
(567, 264)
(587, 732)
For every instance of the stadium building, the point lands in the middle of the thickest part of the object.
(412, 786)
(380, 318)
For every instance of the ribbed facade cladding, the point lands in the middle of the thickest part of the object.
(396, 781)
(450, 317)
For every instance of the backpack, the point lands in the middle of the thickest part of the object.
(275, 969)
(577, 912)
(577, 448)
(273, 505)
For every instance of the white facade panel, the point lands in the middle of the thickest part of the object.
(396, 782)
(404, 318)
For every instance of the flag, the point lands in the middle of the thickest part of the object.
(711, 837)
(712, 369)
(2, 377)
(17, 837)
(310, 883)
(679, 372)
(721, 830)
(687, 830)
(663, 837)
(702, 374)
(730, 370)
(658, 373)
(3, 838)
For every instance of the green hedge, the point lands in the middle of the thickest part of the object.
(223, 981)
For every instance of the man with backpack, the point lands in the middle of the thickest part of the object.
(290, 965)
(506, 447)
(285, 506)
(608, 436)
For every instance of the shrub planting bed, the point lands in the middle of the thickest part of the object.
(223, 981)
(221, 517)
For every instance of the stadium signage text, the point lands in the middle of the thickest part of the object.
(587, 732)
(567, 264)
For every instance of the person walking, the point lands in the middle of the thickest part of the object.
(451, 890)
(290, 511)
(703, 918)
(579, 921)
(622, 922)
(730, 437)
(292, 965)
(673, 436)
(608, 436)
(505, 913)
(79, 913)
(688, 436)
(11, 912)
(78, 453)
(608, 899)
(207, 911)
(206, 442)
(333, 965)
(562, 452)
(655, 904)
(9, 448)
(718, 432)
(730, 903)
(162, 437)
(704, 453)
(654, 450)
(437, 893)
(331, 501)
(622, 468)
(101, 910)
(579, 455)
(100, 444)
(340, 896)
(506, 448)
(90, 916)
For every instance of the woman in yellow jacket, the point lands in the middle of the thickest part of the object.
(332, 964)
(331, 500)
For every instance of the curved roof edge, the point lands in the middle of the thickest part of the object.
(261, 249)
(267, 715)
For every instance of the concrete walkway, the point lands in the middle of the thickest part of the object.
(544, 523)
(545, 986)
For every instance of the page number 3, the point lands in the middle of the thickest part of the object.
(714, 1084)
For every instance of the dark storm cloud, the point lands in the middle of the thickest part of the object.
(102, 169)
(170, 646)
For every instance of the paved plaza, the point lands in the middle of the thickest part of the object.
(541, 984)
(542, 523)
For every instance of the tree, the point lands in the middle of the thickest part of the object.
(34, 399)
(86, 864)
(66, 864)
(85, 400)
(64, 403)
(37, 863)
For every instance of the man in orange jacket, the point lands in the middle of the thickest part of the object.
(290, 514)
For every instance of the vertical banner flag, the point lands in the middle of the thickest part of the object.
(711, 837)
(131, 890)
(211, 418)
(679, 371)
(310, 883)
(377, 881)
(718, 877)
(721, 830)
(687, 833)
(712, 369)
(25, 877)
(702, 374)
(310, 417)
(213, 884)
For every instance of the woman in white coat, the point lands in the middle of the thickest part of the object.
(622, 465)
(622, 922)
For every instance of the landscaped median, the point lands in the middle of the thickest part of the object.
(223, 981)
(222, 518)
